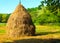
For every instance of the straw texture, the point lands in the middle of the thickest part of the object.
(20, 23)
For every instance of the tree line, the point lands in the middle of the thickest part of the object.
(4, 18)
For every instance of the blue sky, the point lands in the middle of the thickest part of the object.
(8, 6)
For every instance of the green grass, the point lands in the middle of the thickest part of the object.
(47, 29)
(2, 28)
(39, 29)
(2, 24)
(2, 31)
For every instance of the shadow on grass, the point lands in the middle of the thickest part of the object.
(45, 33)
(36, 41)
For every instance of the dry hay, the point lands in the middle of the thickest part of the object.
(20, 23)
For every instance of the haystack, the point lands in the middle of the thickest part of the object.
(20, 23)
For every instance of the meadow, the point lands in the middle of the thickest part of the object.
(40, 29)
(42, 32)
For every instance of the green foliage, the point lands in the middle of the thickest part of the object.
(53, 5)
(0, 17)
(47, 16)
(43, 16)
(48, 12)
(33, 12)
(7, 17)
(4, 18)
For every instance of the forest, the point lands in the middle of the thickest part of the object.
(47, 13)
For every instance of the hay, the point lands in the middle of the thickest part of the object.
(20, 23)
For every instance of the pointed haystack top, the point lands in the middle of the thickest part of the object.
(20, 8)
(20, 23)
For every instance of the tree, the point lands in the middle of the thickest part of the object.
(41, 5)
(53, 5)
(0, 18)
(4, 18)
(7, 17)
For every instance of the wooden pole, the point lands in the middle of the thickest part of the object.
(19, 1)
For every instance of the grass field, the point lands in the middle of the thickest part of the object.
(39, 29)
(42, 32)
(2, 24)
(47, 29)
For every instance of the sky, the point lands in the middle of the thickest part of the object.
(8, 6)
